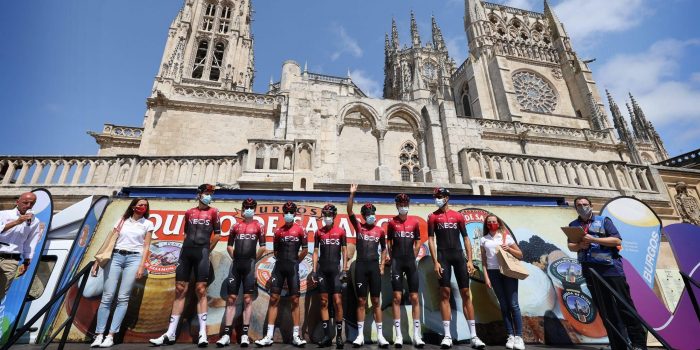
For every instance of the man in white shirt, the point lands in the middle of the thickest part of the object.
(19, 234)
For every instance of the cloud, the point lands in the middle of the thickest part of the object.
(601, 16)
(668, 100)
(345, 44)
(457, 47)
(366, 83)
(521, 4)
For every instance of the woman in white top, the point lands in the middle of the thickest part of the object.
(506, 288)
(128, 263)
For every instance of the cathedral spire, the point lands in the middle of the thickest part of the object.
(557, 26)
(598, 117)
(438, 40)
(647, 130)
(623, 130)
(415, 35)
(394, 35)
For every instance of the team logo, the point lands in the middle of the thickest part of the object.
(263, 274)
(567, 270)
(579, 306)
(163, 258)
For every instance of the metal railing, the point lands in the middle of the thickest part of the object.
(622, 303)
(689, 283)
(81, 277)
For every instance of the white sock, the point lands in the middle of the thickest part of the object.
(295, 331)
(472, 327)
(270, 331)
(202, 323)
(397, 328)
(172, 327)
(378, 325)
(416, 328)
(361, 328)
(446, 328)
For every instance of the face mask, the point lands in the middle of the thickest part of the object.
(492, 226)
(289, 218)
(371, 220)
(140, 210)
(248, 213)
(205, 199)
(328, 221)
(440, 202)
(403, 210)
(584, 211)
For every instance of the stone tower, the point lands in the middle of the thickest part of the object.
(418, 72)
(210, 44)
(522, 68)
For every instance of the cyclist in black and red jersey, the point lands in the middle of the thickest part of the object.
(246, 243)
(446, 231)
(290, 247)
(329, 265)
(369, 266)
(403, 236)
(202, 232)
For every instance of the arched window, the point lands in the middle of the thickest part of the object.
(215, 71)
(466, 105)
(409, 161)
(225, 19)
(208, 18)
(200, 60)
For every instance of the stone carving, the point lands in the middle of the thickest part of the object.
(687, 205)
(534, 93)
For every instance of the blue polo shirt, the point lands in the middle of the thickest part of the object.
(614, 270)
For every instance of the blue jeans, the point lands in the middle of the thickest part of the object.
(122, 267)
(506, 289)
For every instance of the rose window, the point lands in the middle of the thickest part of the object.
(534, 93)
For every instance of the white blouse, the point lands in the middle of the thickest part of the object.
(133, 234)
(491, 244)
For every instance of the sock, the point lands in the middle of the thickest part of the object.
(227, 330)
(378, 325)
(361, 329)
(172, 327)
(326, 328)
(416, 328)
(397, 328)
(202, 323)
(472, 327)
(339, 328)
(245, 329)
(295, 331)
(446, 328)
(270, 330)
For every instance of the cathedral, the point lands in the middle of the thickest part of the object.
(522, 115)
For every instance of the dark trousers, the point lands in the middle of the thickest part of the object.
(617, 314)
(506, 289)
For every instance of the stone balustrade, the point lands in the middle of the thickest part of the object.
(122, 131)
(478, 166)
(228, 96)
(517, 128)
(102, 175)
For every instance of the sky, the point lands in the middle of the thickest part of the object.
(70, 66)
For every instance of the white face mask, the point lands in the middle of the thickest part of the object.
(440, 202)
(371, 220)
(248, 213)
(584, 211)
(328, 221)
(403, 210)
(289, 218)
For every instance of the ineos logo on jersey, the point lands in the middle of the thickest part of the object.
(369, 238)
(246, 236)
(289, 238)
(447, 225)
(331, 241)
(403, 234)
(200, 221)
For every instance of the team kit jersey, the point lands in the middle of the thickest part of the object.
(200, 224)
(369, 239)
(403, 234)
(288, 240)
(245, 238)
(330, 242)
(449, 229)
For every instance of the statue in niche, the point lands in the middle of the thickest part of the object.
(304, 158)
(287, 160)
(687, 205)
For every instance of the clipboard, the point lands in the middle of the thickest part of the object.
(574, 234)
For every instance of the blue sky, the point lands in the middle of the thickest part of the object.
(69, 66)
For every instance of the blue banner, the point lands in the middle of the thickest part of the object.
(11, 306)
(82, 241)
(640, 230)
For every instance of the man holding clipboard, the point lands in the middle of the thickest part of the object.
(596, 240)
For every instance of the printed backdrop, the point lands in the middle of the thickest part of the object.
(556, 306)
